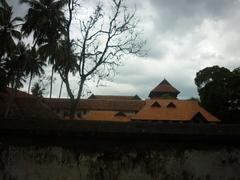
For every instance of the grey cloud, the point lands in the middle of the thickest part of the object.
(180, 15)
(18, 9)
(144, 78)
(170, 28)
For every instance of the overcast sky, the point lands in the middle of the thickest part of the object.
(183, 37)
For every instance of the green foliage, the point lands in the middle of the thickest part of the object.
(45, 19)
(8, 29)
(219, 92)
(16, 64)
(95, 54)
(8, 48)
(37, 90)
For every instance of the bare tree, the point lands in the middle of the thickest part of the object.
(105, 37)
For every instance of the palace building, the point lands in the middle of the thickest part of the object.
(162, 106)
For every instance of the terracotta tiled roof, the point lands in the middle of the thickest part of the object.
(19, 93)
(110, 97)
(24, 106)
(27, 108)
(162, 88)
(97, 104)
(184, 110)
(107, 116)
(34, 108)
(108, 108)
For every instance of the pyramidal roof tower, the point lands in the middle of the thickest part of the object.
(164, 91)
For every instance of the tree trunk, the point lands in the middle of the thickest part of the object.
(60, 92)
(30, 82)
(75, 102)
(73, 108)
(1, 55)
(36, 41)
(51, 83)
(11, 99)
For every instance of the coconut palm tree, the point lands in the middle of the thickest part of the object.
(48, 51)
(16, 65)
(46, 20)
(67, 61)
(8, 29)
(34, 66)
(37, 90)
(8, 34)
(15, 69)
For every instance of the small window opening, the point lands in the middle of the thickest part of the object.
(120, 114)
(171, 105)
(156, 104)
(199, 118)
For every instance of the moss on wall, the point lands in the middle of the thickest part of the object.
(55, 162)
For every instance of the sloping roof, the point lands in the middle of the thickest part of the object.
(111, 97)
(184, 110)
(25, 106)
(8, 91)
(96, 104)
(107, 108)
(163, 87)
(34, 108)
(117, 116)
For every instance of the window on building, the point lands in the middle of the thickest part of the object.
(156, 104)
(199, 118)
(120, 114)
(171, 105)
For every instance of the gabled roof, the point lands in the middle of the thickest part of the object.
(111, 97)
(184, 110)
(117, 116)
(164, 88)
(110, 108)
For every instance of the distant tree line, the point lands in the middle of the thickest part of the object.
(105, 36)
(219, 91)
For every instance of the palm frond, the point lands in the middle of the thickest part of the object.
(16, 34)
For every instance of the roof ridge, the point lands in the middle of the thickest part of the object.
(108, 96)
(164, 90)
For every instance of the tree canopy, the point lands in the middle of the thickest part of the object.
(219, 91)
(105, 35)
(37, 90)
(10, 50)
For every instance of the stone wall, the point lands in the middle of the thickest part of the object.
(167, 163)
(79, 150)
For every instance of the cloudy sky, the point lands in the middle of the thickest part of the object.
(183, 37)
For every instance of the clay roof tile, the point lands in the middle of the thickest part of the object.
(111, 97)
(184, 110)
(163, 88)
(96, 104)
(116, 116)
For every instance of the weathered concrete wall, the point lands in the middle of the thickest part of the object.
(47, 163)
(72, 150)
